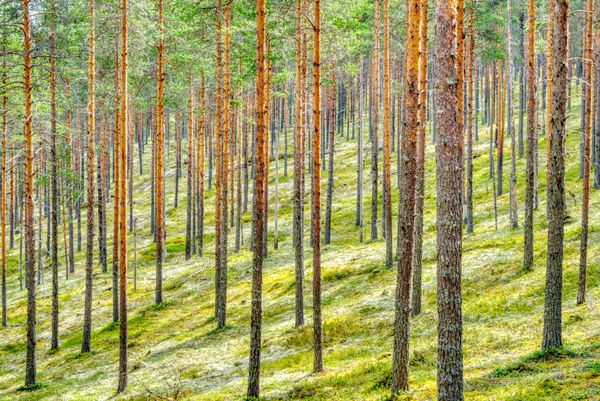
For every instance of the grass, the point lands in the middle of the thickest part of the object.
(174, 348)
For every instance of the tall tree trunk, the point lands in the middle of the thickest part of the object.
(30, 365)
(469, 189)
(3, 192)
(552, 334)
(501, 127)
(259, 207)
(116, 212)
(102, 193)
(417, 262)
(449, 207)
(54, 189)
(189, 238)
(407, 202)
(225, 127)
(597, 105)
(89, 256)
(375, 121)
(359, 168)
(531, 142)
(158, 296)
(219, 100)
(298, 196)
(332, 132)
(201, 136)
(316, 193)
(522, 83)
(514, 215)
(123, 125)
(587, 128)
(549, 78)
(387, 138)
(238, 174)
(177, 156)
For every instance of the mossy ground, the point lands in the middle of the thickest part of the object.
(175, 350)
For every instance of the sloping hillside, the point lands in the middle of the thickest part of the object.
(176, 352)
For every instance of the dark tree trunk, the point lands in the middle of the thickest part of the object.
(375, 122)
(190, 193)
(531, 142)
(587, 129)
(552, 333)
(449, 209)
(54, 188)
(89, 257)
(259, 207)
(407, 202)
(30, 365)
(332, 130)
(298, 196)
(417, 252)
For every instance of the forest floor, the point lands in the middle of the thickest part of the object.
(176, 352)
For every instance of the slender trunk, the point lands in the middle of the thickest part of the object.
(552, 333)
(531, 142)
(259, 207)
(387, 136)
(3, 199)
(332, 131)
(122, 385)
(514, 214)
(54, 189)
(238, 177)
(417, 262)
(548, 79)
(117, 171)
(407, 202)
(522, 83)
(359, 168)
(30, 364)
(469, 189)
(190, 172)
(501, 128)
(89, 257)
(316, 193)
(101, 177)
(587, 128)
(298, 196)
(177, 156)
(375, 121)
(201, 136)
(596, 141)
(158, 296)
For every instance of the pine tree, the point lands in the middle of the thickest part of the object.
(159, 155)
(123, 125)
(89, 256)
(449, 166)
(375, 120)
(387, 135)
(514, 215)
(552, 334)
(30, 364)
(587, 128)
(531, 142)
(298, 196)
(54, 180)
(407, 201)
(259, 207)
(3, 188)
(316, 193)
(417, 262)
